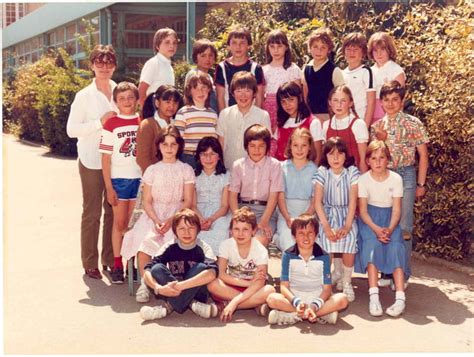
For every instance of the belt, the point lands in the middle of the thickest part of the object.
(254, 202)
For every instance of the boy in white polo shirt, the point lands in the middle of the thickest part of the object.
(158, 70)
(358, 77)
(119, 167)
(305, 283)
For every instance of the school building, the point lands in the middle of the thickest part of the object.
(128, 26)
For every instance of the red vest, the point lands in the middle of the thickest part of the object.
(348, 136)
(284, 135)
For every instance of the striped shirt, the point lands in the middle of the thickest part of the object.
(195, 123)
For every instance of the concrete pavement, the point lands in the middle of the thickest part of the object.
(50, 307)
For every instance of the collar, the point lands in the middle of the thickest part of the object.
(317, 67)
(317, 250)
(186, 247)
(160, 57)
(132, 116)
(254, 164)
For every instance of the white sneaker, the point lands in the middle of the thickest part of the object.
(382, 283)
(143, 293)
(392, 285)
(348, 291)
(148, 313)
(282, 318)
(375, 308)
(336, 280)
(396, 309)
(330, 318)
(214, 309)
(201, 309)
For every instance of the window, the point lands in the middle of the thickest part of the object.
(10, 13)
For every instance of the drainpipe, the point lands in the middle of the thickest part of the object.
(109, 25)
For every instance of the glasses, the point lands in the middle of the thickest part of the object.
(208, 155)
(100, 64)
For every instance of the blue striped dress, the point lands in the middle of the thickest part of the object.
(336, 207)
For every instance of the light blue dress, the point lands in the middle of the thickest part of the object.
(298, 197)
(209, 196)
(336, 207)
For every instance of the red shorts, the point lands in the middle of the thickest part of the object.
(218, 299)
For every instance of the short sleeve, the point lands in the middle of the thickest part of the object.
(276, 184)
(419, 133)
(320, 176)
(285, 267)
(188, 174)
(261, 257)
(326, 269)
(219, 77)
(224, 248)
(295, 72)
(148, 72)
(259, 75)
(363, 189)
(337, 77)
(220, 127)
(368, 79)
(324, 130)
(106, 142)
(225, 179)
(316, 130)
(235, 177)
(360, 131)
(148, 176)
(354, 175)
(398, 185)
(179, 122)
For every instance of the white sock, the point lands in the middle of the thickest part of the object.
(338, 266)
(374, 295)
(400, 298)
(347, 273)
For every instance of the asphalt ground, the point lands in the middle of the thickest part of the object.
(50, 307)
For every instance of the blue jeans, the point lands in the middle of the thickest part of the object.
(408, 174)
(163, 276)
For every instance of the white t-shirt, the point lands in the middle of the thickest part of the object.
(156, 72)
(384, 74)
(316, 130)
(359, 128)
(380, 194)
(359, 82)
(243, 268)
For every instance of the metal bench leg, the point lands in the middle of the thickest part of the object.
(131, 291)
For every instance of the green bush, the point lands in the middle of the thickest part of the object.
(39, 100)
(434, 48)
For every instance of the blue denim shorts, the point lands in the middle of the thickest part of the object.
(127, 189)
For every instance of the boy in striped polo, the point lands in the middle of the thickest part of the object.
(305, 282)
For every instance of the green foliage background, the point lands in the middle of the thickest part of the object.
(434, 45)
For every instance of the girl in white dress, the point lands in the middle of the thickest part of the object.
(168, 187)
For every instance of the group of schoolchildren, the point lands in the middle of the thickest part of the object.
(321, 161)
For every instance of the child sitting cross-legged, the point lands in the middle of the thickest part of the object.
(181, 270)
(305, 282)
(243, 264)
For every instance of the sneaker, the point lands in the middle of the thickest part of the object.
(143, 293)
(396, 309)
(348, 291)
(330, 318)
(149, 313)
(214, 309)
(117, 276)
(375, 308)
(262, 310)
(201, 309)
(336, 280)
(282, 318)
(392, 285)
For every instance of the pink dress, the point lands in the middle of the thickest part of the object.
(167, 182)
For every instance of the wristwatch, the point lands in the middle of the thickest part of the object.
(420, 184)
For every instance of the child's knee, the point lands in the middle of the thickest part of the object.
(269, 289)
(340, 300)
(121, 225)
(273, 298)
